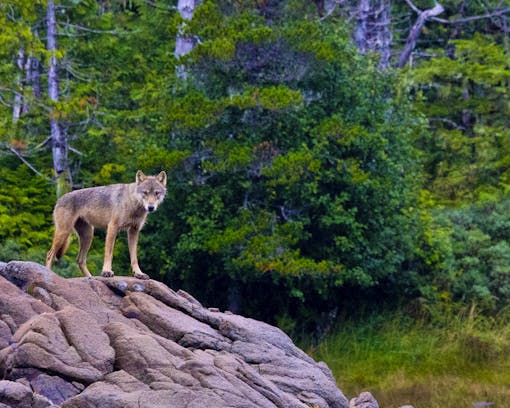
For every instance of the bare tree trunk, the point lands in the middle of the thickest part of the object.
(415, 32)
(384, 34)
(184, 44)
(28, 66)
(59, 146)
(33, 75)
(361, 33)
(18, 97)
(373, 29)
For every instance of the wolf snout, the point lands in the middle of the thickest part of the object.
(151, 208)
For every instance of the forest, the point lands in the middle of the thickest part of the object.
(338, 168)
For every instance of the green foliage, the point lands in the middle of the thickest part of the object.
(298, 175)
(480, 246)
(219, 33)
(465, 98)
(25, 213)
(463, 93)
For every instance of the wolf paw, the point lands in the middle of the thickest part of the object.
(141, 275)
(107, 274)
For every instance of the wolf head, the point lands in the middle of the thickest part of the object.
(151, 189)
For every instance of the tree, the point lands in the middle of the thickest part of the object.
(461, 17)
(415, 31)
(373, 32)
(59, 142)
(184, 43)
(291, 168)
(465, 100)
(28, 95)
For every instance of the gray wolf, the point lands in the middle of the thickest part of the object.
(115, 208)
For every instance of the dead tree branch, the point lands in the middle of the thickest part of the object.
(496, 13)
(415, 32)
(431, 15)
(27, 163)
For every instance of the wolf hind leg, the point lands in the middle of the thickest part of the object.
(85, 233)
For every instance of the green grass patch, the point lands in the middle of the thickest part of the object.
(457, 361)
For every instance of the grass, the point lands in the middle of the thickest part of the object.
(460, 360)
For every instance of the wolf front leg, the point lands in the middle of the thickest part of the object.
(133, 245)
(111, 234)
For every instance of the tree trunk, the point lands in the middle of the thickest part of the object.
(59, 146)
(384, 34)
(373, 29)
(33, 75)
(17, 108)
(416, 31)
(28, 66)
(361, 33)
(184, 44)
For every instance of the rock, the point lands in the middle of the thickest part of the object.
(68, 342)
(15, 394)
(122, 342)
(365, 400)
(54, 388)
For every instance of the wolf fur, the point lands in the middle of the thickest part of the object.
(115, 207)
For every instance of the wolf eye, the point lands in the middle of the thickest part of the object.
(145, 193)
(156, 193)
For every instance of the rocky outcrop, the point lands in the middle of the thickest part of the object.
(123, 342)
(365, 400)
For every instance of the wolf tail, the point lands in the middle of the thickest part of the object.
(62, 235)
(61, 250)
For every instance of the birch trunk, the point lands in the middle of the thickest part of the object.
(59, 146)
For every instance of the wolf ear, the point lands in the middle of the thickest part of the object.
(161, 177)
(140, 177)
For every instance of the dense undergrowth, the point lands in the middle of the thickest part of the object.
(442, 360)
